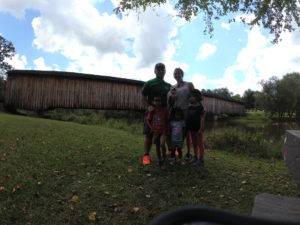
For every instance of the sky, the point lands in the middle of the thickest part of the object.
(88, 37)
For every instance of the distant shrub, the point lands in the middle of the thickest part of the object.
(119, 119)
(243, 142)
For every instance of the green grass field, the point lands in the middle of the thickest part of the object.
(54, 172)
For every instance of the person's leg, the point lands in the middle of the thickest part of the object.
(163, 139)
(161, 150)
(198, 148)
(188, 144)
(158, 153)
(201, 145)
(194, 137)
(169, 145)
(147, 143)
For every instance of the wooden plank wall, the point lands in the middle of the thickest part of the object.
(40, 93)
(220, 106)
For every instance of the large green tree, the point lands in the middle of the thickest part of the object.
(275, 15)
(222, 92)
(282, 97)
(249, 99)
(7, 51)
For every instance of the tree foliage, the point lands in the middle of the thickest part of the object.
(249, 99)
(282, 97)
(275, 15)
(223, 92)
(7, 51)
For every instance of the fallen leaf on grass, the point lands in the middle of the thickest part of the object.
(129, 170)
(106, 193)
(244, 182)
(135, 209)
(73, 173)
(2, 188)
(74, 199)
(92, 216)
(148, 196)
(18, 187)
(221, 196)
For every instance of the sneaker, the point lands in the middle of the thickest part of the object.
(146, 160)
(188, 157)
(198, 162)
(172, 161)
(181, 161)
(193, 160)
(171, 154)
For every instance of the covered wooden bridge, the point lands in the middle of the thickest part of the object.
(42, 90)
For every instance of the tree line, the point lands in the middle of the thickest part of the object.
(279, 98)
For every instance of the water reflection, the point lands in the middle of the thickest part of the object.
(272, 131)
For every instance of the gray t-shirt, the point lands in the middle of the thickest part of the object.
(181, 95)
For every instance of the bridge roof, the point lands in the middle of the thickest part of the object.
(221, 97)
(84, 76)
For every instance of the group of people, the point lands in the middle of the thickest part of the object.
(174, 115)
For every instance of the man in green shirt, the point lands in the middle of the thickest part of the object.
(153, 88)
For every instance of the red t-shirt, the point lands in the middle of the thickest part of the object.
(158, 119)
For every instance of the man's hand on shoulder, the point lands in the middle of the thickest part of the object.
(150, 108)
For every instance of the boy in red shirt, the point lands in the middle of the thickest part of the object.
(158, 122)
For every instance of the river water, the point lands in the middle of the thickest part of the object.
(272, 131)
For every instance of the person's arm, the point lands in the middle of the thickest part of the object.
(149, 119)
(145, 102)
(167, 115)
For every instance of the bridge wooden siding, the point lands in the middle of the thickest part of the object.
(42, 90)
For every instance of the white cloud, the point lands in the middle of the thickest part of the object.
(18, 62)
(39, 64)
(17, 7)
(98, 43)
(259, 60)
(205, 51)
(199, 81)
(226, 26)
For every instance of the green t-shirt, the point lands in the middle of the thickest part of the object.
(156, 87)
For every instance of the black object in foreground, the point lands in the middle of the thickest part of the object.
(198, 215)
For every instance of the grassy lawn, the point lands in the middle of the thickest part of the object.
(54, 172)
(256, 117)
